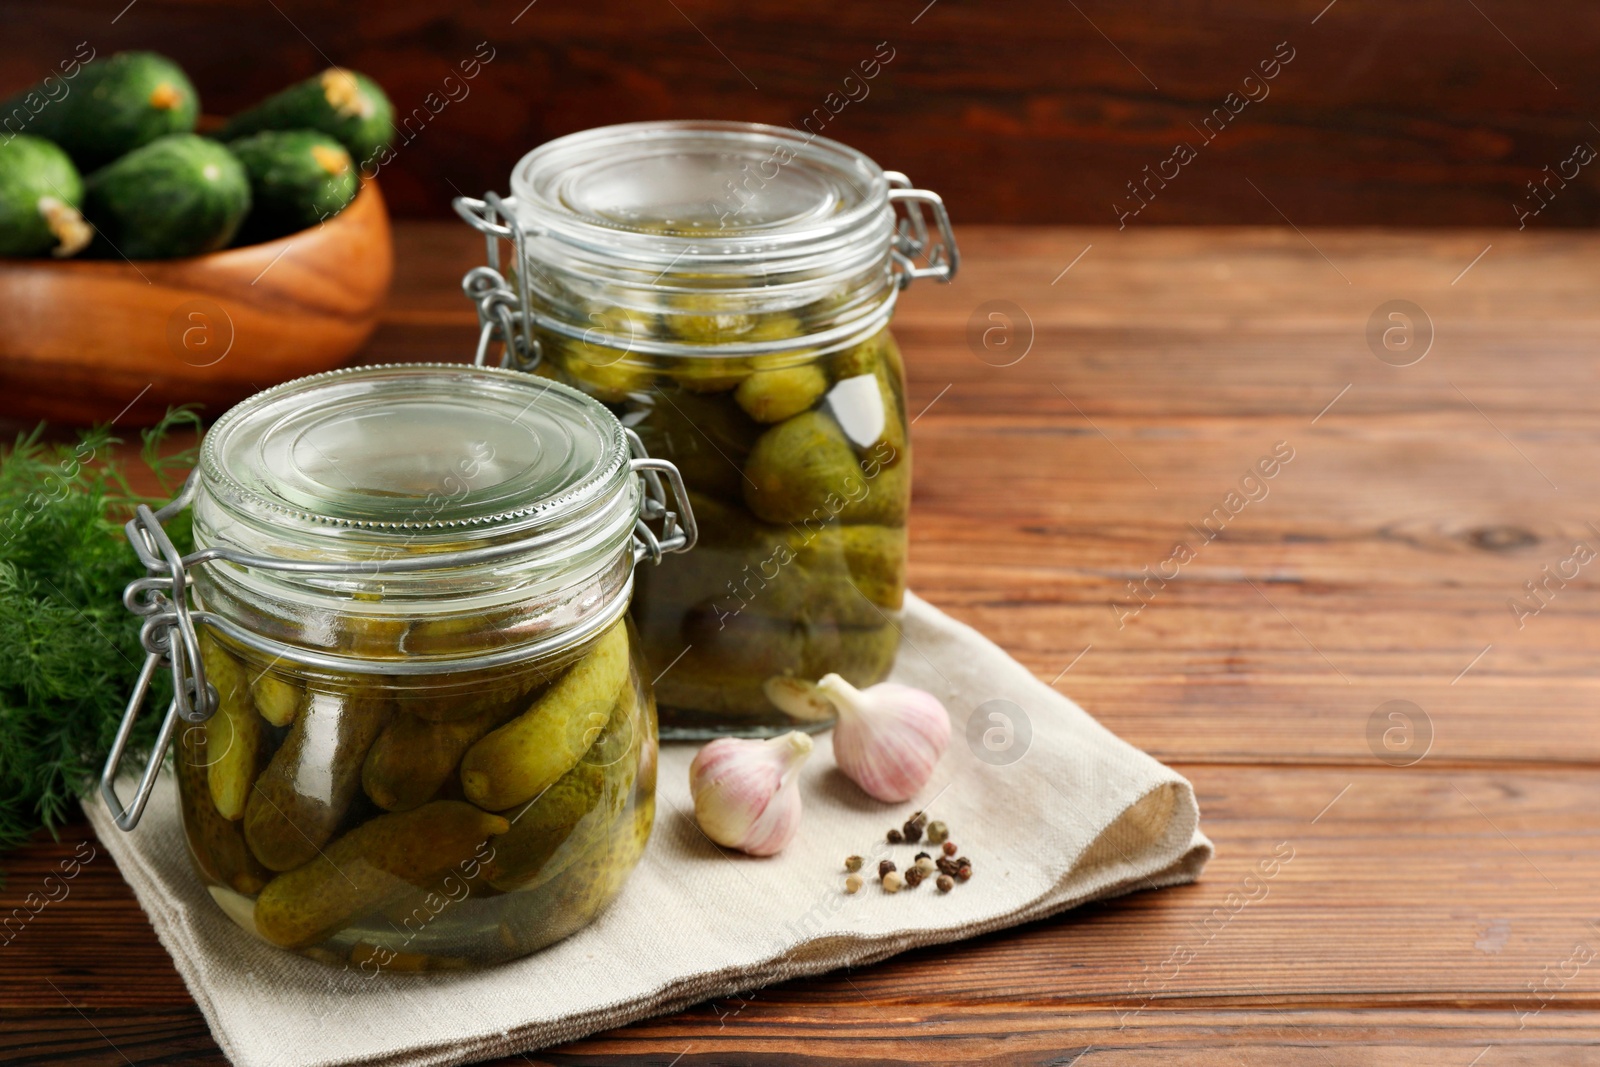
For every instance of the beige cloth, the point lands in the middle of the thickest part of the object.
(1080, 816)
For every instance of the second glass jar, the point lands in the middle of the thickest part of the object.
(726, 290)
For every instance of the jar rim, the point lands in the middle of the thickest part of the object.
(298, 422)
(645, 192)
(546, 537)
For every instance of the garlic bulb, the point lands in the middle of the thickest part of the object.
(746, 793)
(889, 737)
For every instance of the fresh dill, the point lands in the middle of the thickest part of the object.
(69, 650)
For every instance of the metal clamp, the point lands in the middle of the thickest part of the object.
(170, 631)
(911, 233)
(504, 313)
(679, 531)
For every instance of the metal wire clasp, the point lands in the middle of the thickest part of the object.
(504, 314)
(169, 638)
(911, 233)
(679, 531)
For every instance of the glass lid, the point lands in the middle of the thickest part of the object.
(720, 186)
(412, 450)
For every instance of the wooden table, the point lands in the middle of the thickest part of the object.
(1438, 913)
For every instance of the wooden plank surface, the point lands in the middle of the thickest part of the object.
(1431, 112)
(1430, 914)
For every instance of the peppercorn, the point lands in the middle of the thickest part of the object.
(895, 837)
(914, 876)
(912, 831)
(938, 831)
(893, 881)
(853, 863)
(963, 873)
(852, 883)
(948, 848)
(920, 856)
(962, 861)
(884, 867)
(945, 865)
(945, 883)
(925, 865)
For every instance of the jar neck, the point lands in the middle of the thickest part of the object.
(390, 637)
(712, 309)
(540, 582)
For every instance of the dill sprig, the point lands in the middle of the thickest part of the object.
(69, 650)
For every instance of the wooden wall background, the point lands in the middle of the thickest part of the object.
(1427, 112)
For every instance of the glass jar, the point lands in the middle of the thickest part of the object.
(418, 732)
(726, 288)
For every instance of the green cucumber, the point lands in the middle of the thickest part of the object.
(116, 105)
(179, 195)
(340, 103)
(297, 179)
(40, 193)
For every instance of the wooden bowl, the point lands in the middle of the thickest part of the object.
(87, 341)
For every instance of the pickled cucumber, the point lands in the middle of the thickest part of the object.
(414, 756)
(802, 528)
(233, 733)
(775, 326)
(317, 865)
(708, 438)
(472, 693)
(710, 373)
(515, 762)
(216, 843)
(775, 395)
(871, 558)
(704, 319)
(277, 699)
(848, 575)
(729, 657)
(572, 897)
(307, 787)
(805, 468)
(373, 636)
(761, 646)
(378, 861)
(879, 350)
(602, 361)
(561, 825)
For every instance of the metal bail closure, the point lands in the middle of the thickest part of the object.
(170, 637)
(679, 531)
(911, 233)
(504, 314)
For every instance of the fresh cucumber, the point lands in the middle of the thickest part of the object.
(179, 195)
(40, 193)
(297, 179)
(115, 105)
(340, 103)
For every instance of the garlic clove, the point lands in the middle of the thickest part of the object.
(746, 793)
(889, 737)
(798, 698)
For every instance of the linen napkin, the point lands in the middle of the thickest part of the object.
(1053, 810)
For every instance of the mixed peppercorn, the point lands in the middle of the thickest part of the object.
(950, 868)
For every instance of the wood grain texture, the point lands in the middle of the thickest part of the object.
(1433, 112)
(1428, 913)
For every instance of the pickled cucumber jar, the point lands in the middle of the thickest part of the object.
(413, 729)
(726, 290)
